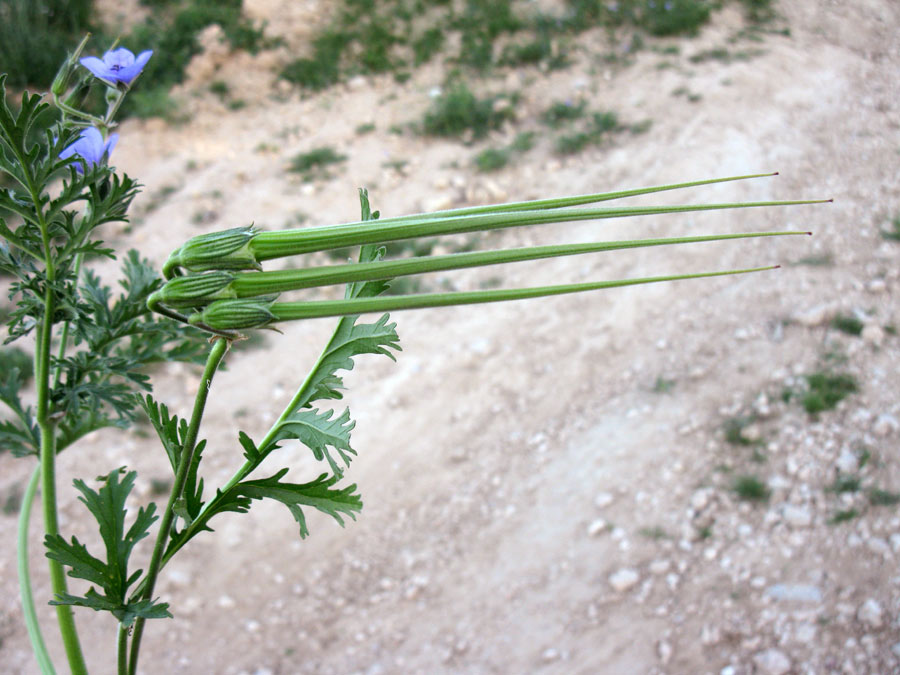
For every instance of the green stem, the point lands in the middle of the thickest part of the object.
(47, 429)
(216, 354)
(32, 624)
(64, 334)
(122, 651)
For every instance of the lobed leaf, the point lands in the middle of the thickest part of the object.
(318, 494)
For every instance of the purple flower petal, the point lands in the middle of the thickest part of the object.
(91, 148)
(118, 65)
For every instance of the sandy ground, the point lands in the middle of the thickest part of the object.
(535, 501)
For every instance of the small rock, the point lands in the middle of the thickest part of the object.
(795, 593)
(870, 613)
(710, 635)
(700, 499)
(847, 461)
(596, 527)
(662, 566)
(226, 602)
(796, 516)
(603, 500)
(549, 655)
(814, 316)
(664, 651)
(896, 650)
(805, 633)
(624, 580)
(772, 662)
(873, 334)
(895, 542)
(885, 424)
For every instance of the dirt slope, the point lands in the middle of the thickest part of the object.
(533, 501)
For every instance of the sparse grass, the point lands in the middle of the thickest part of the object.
(843, 516)
(826, 390)
(312, 164)
(894, 233)
(751, 488)
(363, 129)
(560, 113)
(492, 159)
(823, 260)
(843, 484)
(656, 532)
(848, 324)
(602, 123)
(881, 497)
(641, 127)
(663, 386)
(458, 111)
(734, 431)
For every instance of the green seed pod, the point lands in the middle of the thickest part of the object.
(197, 290)
(235, 314)
(226, 250)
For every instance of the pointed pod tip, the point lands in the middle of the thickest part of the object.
(776, 173)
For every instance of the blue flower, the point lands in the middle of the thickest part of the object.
(118, 65)
(91, 148)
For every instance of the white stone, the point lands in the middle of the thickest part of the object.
(597, 526)
(870, 613)
(662, 566)
(806, 593)
(885, 424)
(847, 461)
(226, 602)
(664, 651)
(550, 654)
(700, 499)
(603, 500)
(772, 662)
(895, 542)
(796, 516)
(624, 580)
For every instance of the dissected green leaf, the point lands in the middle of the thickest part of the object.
(319, 432)
(107, 505)
(318, 494)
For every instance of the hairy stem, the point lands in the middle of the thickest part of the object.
(32, 624)
(216, 354)
(47, 430)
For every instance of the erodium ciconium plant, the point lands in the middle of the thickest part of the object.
(91, 347)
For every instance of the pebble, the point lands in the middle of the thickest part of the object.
(795, 593)
(796, 516)
(870, 613)
(597, 526)
(624, 580)
(772, 662)
(664, 651)
(895, 542)
(603, 499)
(885, 424)
(847, 461)
(549, 655)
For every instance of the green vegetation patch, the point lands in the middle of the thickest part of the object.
(751, 488)
(458, 111)
(312, 164)
(826, 390)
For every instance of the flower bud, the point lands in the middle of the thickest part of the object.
(196, 290)
(235, 314)
(226, 250)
